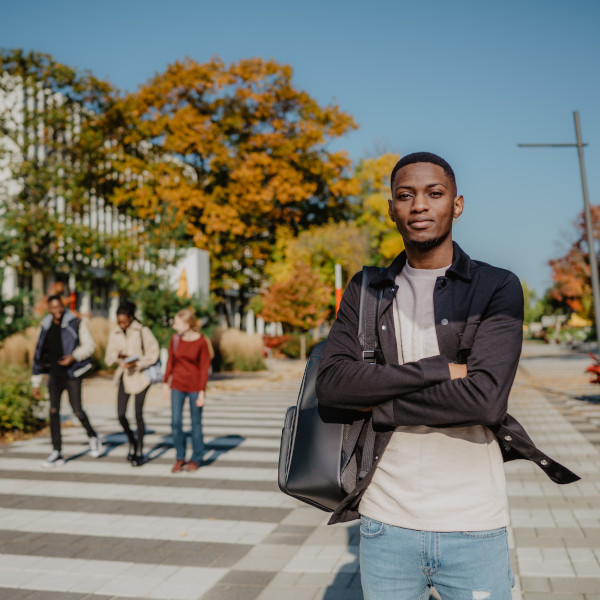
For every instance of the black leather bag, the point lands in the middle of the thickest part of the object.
(318, 462)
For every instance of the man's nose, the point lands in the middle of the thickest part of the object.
(420, 203)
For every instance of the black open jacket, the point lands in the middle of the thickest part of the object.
(479, 321)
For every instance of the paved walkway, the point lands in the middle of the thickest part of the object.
(100, 529)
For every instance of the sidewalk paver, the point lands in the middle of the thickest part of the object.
(100, 530)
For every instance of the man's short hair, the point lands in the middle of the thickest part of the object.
(420, 157)
(57, 297)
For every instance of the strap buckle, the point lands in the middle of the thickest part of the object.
(368, 356)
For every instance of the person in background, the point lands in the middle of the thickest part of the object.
(63, 351)
(186, 376)
(133, 347)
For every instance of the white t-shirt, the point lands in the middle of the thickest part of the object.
(434, 479)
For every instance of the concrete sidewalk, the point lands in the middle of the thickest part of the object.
(556, 529)
(100, 529)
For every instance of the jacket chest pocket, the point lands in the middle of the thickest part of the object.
(465, 341)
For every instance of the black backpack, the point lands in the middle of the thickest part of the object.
(325, 452)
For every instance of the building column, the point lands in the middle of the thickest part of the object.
(10, 286)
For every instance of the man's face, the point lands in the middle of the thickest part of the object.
(56, 309)
(423, 204)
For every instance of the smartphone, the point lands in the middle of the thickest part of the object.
(131, 359)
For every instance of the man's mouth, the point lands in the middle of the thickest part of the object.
(420, 223)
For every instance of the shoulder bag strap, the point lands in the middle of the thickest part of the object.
(369, 341)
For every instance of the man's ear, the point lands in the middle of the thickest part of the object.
(459, 205)
(390, 211)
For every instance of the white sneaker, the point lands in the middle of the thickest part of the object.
(95, 447)
(54, 460)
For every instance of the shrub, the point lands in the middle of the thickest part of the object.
(237, 351)
(276, 343)
(17, 314)
(291, 346)
(18, 408)
(99, 330)
(18, 349)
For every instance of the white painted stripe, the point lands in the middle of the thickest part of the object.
(135, 526)
(100, 467)
(146, 493)
(42, 444)
(110, 578)
(224, 454)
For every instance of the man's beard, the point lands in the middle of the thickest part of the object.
(424, 245)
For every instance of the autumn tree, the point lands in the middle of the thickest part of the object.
(236, 151)
(300, 302)
(373, 177)
(571, 272)
(321, 247)
(56, 149)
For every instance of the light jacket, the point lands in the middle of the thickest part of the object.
(479, 322)
(76, 340)
(129, 342)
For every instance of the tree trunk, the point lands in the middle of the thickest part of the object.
(303, 347)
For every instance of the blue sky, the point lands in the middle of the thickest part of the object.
(465, 79)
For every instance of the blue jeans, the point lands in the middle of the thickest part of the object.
(177, 402)
(402, 564)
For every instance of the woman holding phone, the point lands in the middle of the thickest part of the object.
(133, 348)
(186, 377)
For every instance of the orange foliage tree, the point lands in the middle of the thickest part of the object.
(301, 301)
(571, 272)
(233, 151)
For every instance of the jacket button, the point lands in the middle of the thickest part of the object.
(508, 438)
(444, 321)
(443, 283)
(384, 327)
(544, 462)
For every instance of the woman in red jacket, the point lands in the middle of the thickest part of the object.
(186, 376)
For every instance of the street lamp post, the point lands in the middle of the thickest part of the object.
(588, 219)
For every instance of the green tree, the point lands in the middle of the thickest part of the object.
(58, 145)
(534, 306)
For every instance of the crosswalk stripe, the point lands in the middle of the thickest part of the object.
(135, 526)
(99, 467)
(148, 493)
(109, 578)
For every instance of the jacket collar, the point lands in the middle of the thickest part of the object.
(67, 317)
(134, 326)
(460, 267)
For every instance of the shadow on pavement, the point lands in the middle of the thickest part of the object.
(593, 399)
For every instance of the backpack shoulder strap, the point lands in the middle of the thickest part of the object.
(370, 299)
(369, 341)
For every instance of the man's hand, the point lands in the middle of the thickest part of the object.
(457, 371)
(36, 393)
(67, 360)
(166, 391)
(200, 400)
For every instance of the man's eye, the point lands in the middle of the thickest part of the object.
(436, 194)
